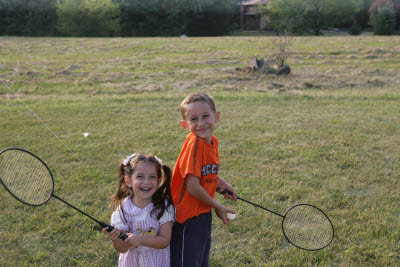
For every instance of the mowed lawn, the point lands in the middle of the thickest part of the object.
(327, 134)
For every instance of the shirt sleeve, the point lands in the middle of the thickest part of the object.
(116, 221)
(191, 160)
(168, 216)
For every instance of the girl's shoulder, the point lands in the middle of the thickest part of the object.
(169, 214)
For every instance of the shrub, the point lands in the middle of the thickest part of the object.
(384, 22)
(355, 28)
(88, 18)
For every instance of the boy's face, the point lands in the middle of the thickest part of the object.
(200, 120)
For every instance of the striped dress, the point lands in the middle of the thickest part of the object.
(139, 221)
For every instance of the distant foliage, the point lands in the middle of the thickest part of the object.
(384, 22)
(310, 16)
(385, 12)
(177, 17)
(88, 18)
(190, 17)
(28, 17)
(118, 17)
(361, 14)
(355, 28)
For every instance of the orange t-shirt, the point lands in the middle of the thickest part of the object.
(200, 159)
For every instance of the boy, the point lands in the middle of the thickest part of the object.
(194, 182)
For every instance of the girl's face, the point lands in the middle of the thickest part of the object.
(144, 183)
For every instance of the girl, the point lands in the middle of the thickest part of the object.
(143, 210)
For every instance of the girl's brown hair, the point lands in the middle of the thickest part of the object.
(161, 199)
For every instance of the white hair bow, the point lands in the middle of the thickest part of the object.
(128, 158)
(159, 161)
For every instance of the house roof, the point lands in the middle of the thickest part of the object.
(254, 2)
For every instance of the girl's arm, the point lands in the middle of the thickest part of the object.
(118, 244)
(224, 184)
(196, 190)
(159, 242)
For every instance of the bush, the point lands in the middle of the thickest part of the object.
(26, 17)
(177, 17)
(384, 22)
(355, 29)
(90, 18)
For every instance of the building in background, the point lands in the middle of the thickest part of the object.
(249, 19)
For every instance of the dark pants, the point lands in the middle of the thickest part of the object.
(191, 242)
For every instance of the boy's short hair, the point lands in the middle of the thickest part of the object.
(197, 97)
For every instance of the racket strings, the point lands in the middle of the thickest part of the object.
(307, 227)
(26, 177)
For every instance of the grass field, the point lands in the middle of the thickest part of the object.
(327, 134)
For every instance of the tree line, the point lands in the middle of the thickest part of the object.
(117, 17)
(310, 16)
(103, 18)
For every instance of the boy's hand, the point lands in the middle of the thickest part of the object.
(229, 193)
(223, 185)
(222, 213)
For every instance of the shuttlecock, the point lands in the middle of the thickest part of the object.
(230, 216)
(85, 134)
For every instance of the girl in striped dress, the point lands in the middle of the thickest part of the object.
(143, 209)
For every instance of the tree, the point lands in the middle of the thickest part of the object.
(361, 13)
(316, 14)
(285, 15)
(355, 28)
(214, 19)
(384, 22)
(300, 16)
(42, 18)
(28, 17)
(176, 17)
(88, 18)
(340, 13)
(390, 6)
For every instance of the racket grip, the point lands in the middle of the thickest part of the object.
(121, 236)
(223, 192)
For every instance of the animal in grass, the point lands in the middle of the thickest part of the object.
(150, 232)
(259, 65)
(285, 70)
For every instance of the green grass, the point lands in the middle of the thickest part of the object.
(327, 134)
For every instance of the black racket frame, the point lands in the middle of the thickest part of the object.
(104, 225)
(225, 191)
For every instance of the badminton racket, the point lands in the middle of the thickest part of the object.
(27, 178)
(303, 225)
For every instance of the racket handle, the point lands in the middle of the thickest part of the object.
(223, 192)
(121, 236)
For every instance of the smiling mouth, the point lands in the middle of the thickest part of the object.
(146, 189)
(202, 130)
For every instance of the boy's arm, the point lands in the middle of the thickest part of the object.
(196, 190)
(224, 185)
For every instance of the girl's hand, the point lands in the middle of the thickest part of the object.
(222, 213)
(113, 235)
(133, 241)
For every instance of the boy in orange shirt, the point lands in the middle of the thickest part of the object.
(194, 182)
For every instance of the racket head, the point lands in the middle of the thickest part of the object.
(25, 176)
(307, 227)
